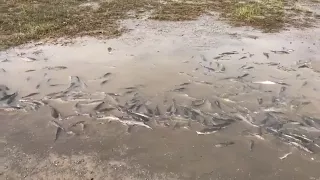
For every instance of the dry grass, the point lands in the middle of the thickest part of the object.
(22, 21)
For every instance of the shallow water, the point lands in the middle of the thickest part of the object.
(181, 99)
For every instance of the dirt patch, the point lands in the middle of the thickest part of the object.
(23, 21)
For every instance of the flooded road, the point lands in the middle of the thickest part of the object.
(183, 100)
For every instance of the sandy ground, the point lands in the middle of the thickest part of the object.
(69, 119)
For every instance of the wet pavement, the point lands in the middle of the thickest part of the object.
(183, 100)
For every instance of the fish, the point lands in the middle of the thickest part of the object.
(280, 52)
(207, 131)
(249, 67)
(304, 83)
(55, 113)
(184, 84)
(79, 123)
(229, 53)
(301, 147)
(113, 94)
(55, 67)
(243, 57)
(273, 64)
(38, 86)
(104, 82)
(7, 96)
(30, 70)
(222, 68)
(172, 108)
(264, 82)
(56, 124)
(129, 92)
(251, 145)
(3, 70)
(31, 94)
(304, 66)
(99, 106)
(179, 89)
(109, 49)
(224, 144)
(285, 156)
(260, 101)
(10, 98)
(266, 54)
(130, 88)
(106, 109)
(58, 132)
(217, 103)
(106, 75)
(203, 58)
(198, 102)
(6, 60)
(28, 59)
(157, 111)
(217, 57)
(238, 115)
(141, 116)
(209, 68)
(282, 89)
(125, 122)
(242, 76)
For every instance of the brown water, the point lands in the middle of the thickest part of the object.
(196, 86)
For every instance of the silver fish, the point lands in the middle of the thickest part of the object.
(224, 144)
(285, 156)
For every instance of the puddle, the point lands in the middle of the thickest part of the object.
(220, 87)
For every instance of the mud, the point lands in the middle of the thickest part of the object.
(182, 100)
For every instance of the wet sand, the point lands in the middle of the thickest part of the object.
(182, 100)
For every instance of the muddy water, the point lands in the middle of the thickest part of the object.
(193, 100)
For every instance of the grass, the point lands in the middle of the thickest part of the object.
(22, 21)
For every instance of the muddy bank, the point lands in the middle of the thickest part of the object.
(184, 100)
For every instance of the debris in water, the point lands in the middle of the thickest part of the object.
(30, 70)
(266, 54)
(243, 57)
(38, 86)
